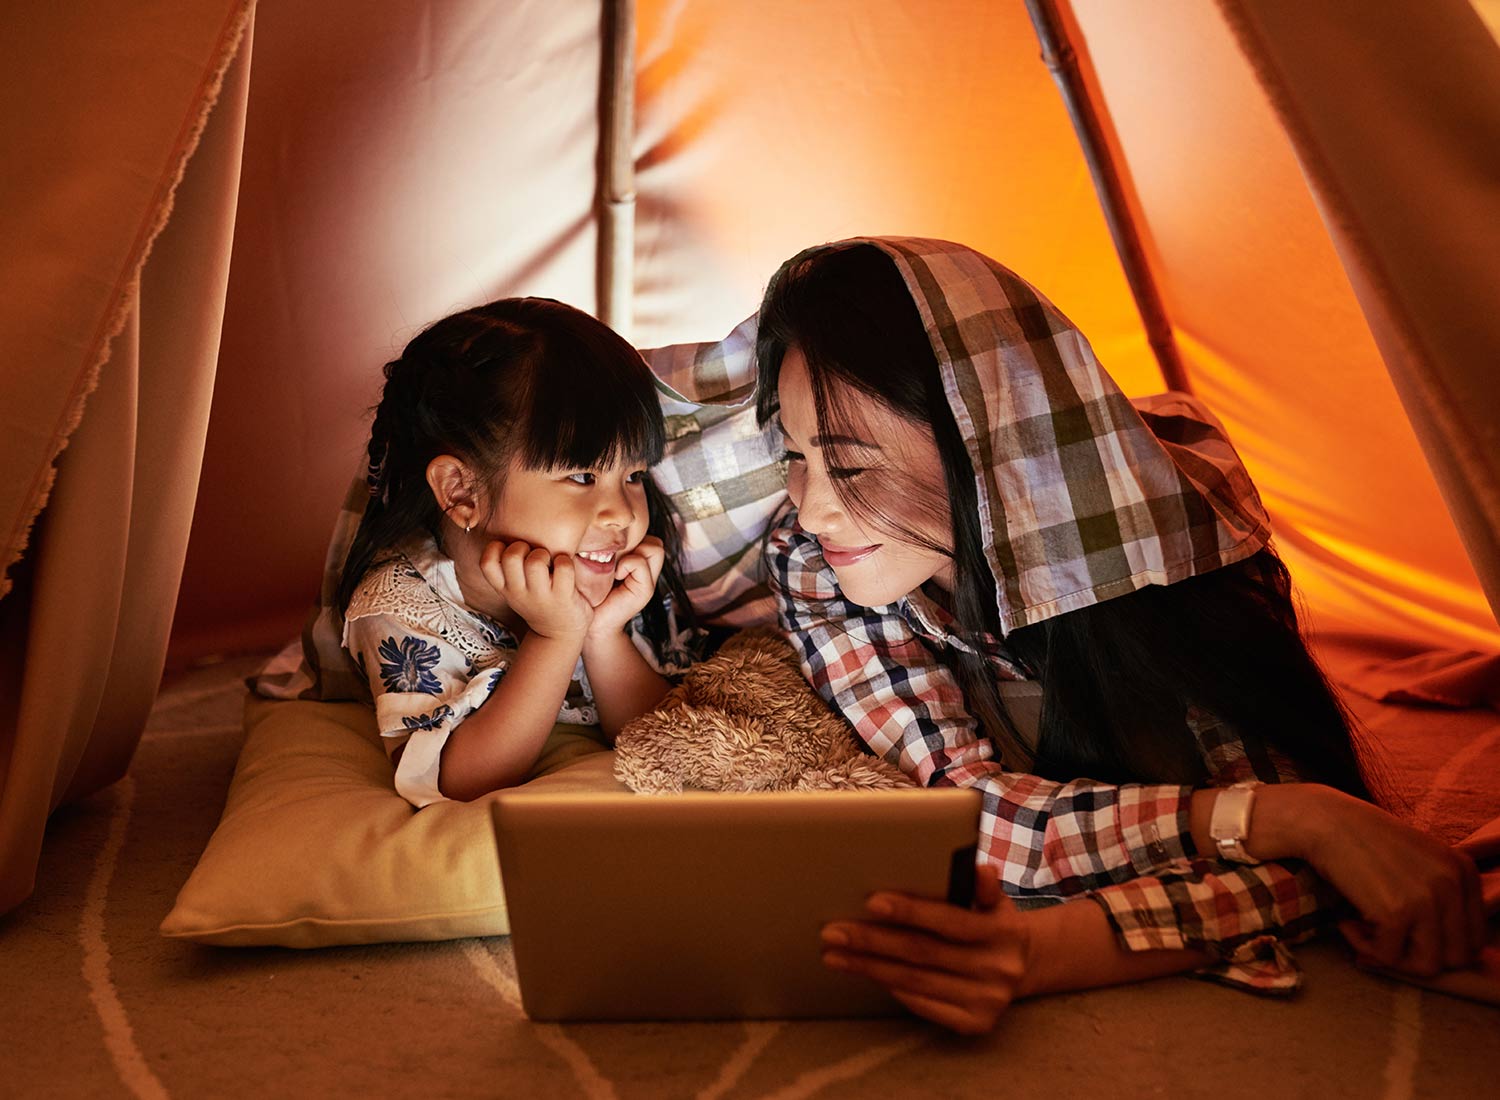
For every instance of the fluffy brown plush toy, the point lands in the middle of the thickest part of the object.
(746, 720)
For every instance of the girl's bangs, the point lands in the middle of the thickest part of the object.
(589, 411)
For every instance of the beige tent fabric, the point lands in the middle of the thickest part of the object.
(1272, 333)
(1404, 157)
(84, 632)
(401, 161)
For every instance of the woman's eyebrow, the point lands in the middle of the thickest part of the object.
(843, 441)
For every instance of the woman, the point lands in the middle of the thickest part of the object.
(976, 504)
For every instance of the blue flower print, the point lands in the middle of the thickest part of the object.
(495, 678)
(429, 721)
(407, 667)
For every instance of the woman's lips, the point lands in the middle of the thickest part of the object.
(847, 555)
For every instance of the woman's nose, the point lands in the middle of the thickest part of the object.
(818, 507)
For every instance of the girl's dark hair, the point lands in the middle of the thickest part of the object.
(525, 379)
(1118, 677)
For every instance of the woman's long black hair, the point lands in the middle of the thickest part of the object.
(1118, 677)
(525, 379)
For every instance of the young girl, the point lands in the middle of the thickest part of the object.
(977, 504)
(515, 567)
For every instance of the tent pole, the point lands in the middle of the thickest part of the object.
(616, 260)
(1062, 61)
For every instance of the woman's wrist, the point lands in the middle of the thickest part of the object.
(1287, 820)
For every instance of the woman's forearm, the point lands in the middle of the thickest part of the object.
(1287, 820)
(1072, 946)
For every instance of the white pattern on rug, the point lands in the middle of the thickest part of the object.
(119, 1038)
(594, 1085)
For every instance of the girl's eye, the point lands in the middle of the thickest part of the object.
(635, 477)
(583, 477)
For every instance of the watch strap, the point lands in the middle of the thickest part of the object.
(1229, 824)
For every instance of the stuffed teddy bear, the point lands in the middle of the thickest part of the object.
(746, 720)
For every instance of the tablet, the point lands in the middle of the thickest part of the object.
(709, 906)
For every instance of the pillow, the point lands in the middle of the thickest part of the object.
(315, 847)
(721, 472)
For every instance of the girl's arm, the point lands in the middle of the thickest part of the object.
(496, 746)
(625, 685)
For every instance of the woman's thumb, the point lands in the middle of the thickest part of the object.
(988, 893)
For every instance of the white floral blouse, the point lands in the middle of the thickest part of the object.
(431, 660)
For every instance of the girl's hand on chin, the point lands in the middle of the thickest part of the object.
(957, 967)
(636, 572)
(539, 587)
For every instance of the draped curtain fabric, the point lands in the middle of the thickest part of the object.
(1397, 128)
(122, 154)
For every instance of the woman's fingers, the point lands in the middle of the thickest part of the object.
(937, 917)
(1424, 942)
(1477, 933)
(920, 949)
(988, 893)
(936, 985)
(954, 1018)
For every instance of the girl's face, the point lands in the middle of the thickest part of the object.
(894, 456)
(595, 516)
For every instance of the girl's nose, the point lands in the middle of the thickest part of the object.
(616, 509)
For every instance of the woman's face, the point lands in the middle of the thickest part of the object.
(894, 466)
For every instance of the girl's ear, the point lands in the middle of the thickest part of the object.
(453, 487)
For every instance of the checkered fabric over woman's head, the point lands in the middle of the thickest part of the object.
(1083, 497)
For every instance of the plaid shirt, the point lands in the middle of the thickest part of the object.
(1126, 847)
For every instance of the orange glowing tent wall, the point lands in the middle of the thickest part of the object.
(400, 167)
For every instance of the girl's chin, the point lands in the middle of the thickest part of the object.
(595, 591)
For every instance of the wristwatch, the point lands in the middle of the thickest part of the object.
(1230, 823)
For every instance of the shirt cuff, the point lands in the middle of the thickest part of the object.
(1156, 826)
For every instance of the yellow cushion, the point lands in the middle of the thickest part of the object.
(315, 846)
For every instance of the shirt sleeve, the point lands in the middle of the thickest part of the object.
(423, 688)
(1048, 839)
(1127, 847)
(1245, 915)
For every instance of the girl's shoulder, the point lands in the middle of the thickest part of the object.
(393, 585)
(412, 584)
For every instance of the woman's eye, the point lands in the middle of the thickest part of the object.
(793, 456)
(845, 473)
(583, 477)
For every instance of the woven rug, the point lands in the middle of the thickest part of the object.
(96, 1004)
